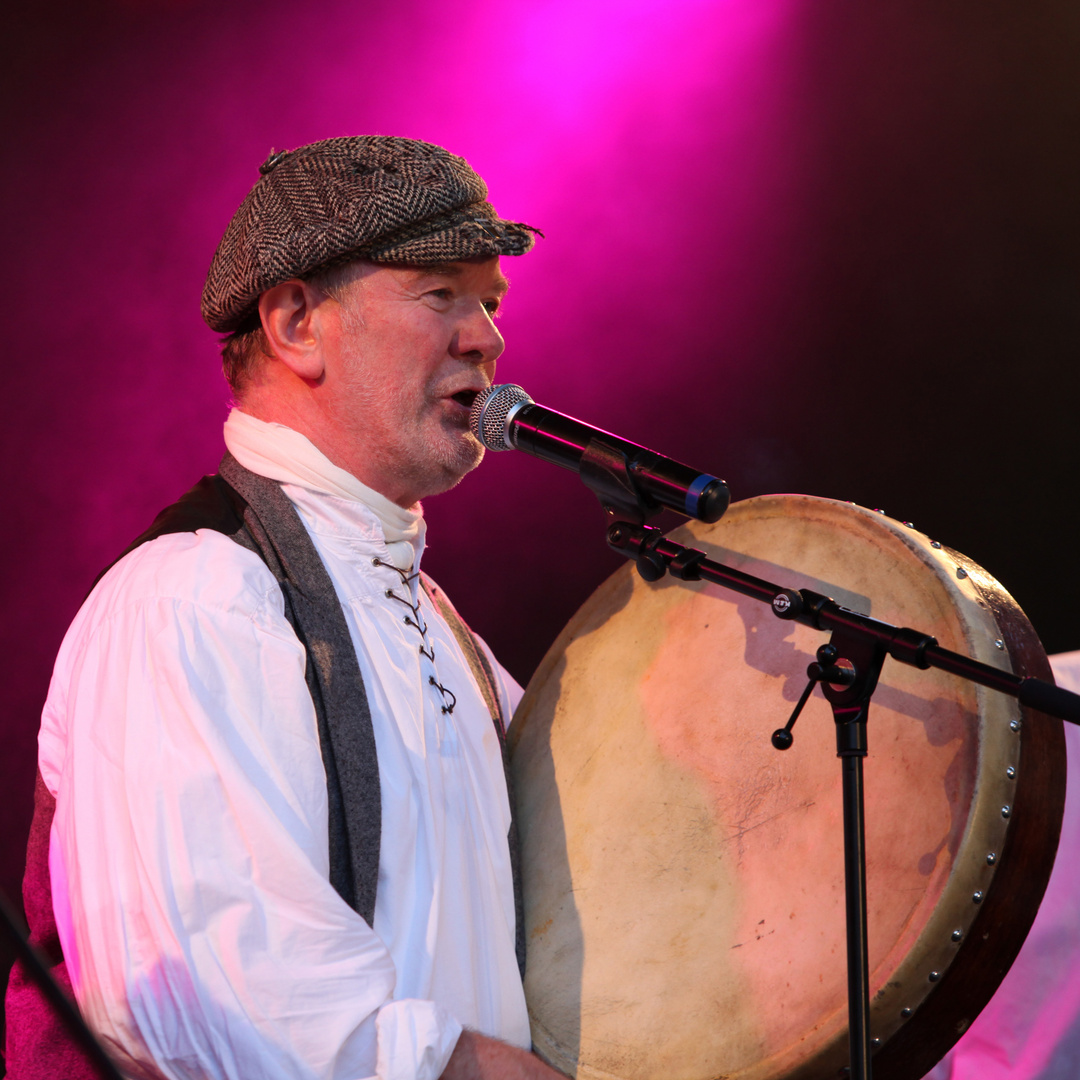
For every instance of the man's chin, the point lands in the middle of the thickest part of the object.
(464, 456)
(464, 451)
(467, 461)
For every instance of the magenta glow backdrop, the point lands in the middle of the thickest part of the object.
(812, 245)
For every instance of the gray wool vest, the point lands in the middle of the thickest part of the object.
(255, 513)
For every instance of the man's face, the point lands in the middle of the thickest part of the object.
(410, 348)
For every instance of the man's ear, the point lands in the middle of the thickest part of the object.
(291, 320)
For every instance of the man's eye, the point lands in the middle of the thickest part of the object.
(492, 306)
(441, 294)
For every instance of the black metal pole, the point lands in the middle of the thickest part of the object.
(858, 964)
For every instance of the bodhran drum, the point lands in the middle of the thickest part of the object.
(684, 880)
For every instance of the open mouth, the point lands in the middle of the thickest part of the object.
(465, 398)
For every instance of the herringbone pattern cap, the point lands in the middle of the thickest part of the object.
(373, 197)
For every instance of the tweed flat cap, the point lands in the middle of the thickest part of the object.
(372, 197)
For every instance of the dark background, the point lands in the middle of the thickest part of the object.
(823, 246)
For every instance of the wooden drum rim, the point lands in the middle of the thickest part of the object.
(1012, 899)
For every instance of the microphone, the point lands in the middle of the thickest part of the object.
(505, 418)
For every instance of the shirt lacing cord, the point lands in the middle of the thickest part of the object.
(417, 620)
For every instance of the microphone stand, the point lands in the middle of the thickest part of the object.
(848, 667)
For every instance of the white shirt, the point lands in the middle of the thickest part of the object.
(189, 853)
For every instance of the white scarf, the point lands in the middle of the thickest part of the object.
(278, 452)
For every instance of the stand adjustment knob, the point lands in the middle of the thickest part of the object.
(782, 739)
(650, 566)
(788, 604)
(829, 668)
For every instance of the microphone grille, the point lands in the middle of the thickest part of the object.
(490, 408)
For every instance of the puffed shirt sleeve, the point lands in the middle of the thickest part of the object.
(189, 854)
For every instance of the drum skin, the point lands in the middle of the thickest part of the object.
(684, 881)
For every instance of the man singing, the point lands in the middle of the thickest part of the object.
(272, 809)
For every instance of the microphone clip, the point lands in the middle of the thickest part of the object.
(606, 472)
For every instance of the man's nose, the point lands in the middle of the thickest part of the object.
(478, 339)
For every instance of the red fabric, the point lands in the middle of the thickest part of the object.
(38, 1046)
